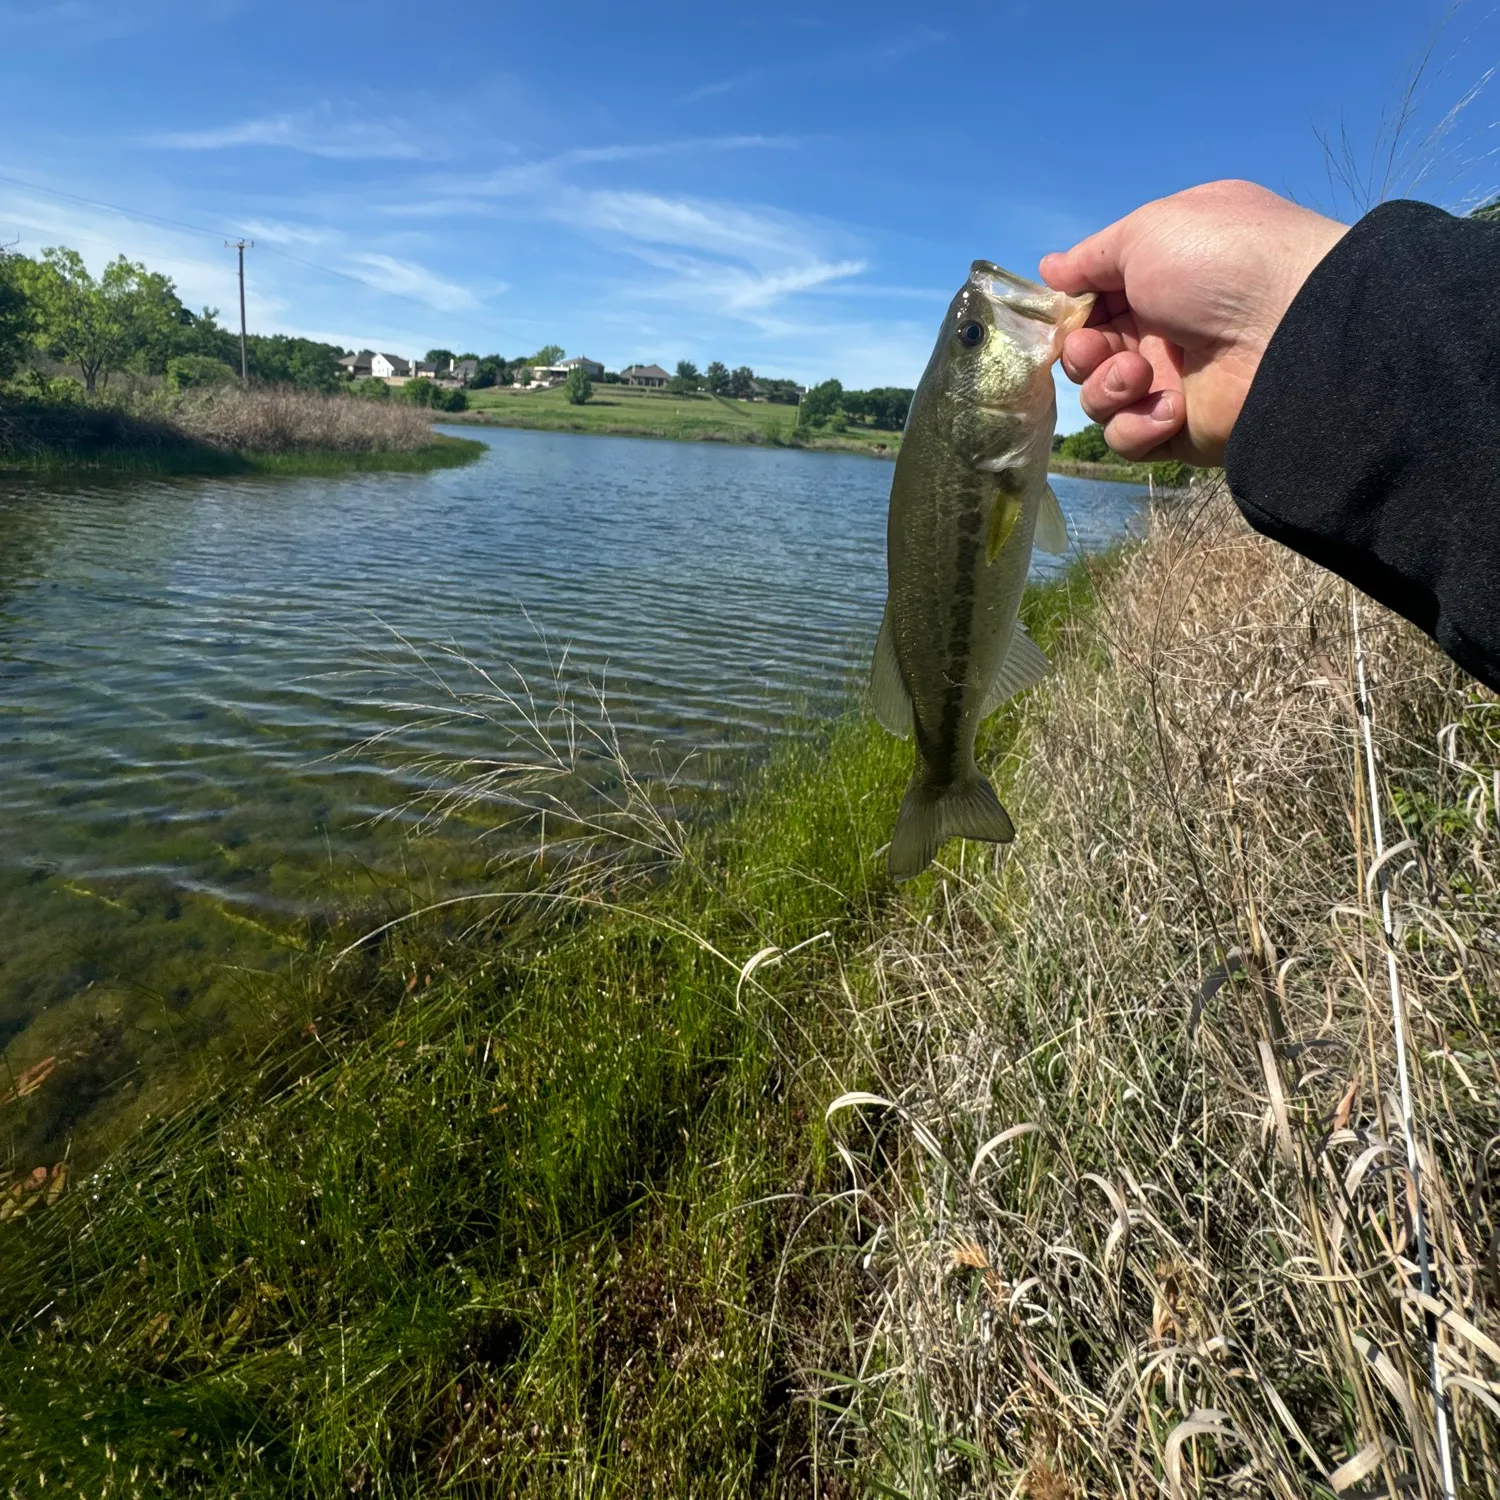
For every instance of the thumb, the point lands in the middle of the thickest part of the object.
(1092, 265)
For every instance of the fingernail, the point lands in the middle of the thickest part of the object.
(1165, 410)
(1113, 380)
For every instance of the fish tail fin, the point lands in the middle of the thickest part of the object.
(967, 809)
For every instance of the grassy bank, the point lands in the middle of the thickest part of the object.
(545, 1197)
(223, 431)
(628, 412)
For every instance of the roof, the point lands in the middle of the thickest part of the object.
(655, 371)
(577, 361)
(354, 361)
(468, 366)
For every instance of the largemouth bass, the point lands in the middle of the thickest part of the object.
(969, 496)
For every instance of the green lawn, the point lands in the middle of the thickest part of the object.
(698, 418)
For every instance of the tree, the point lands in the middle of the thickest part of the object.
(548, 354)
(577, 387)
(716, 378)
(15, 315)
(884, 406)
(686, 380)
(740, 381)
(821, 405)
(128, 313)
(1087, 446)
(492, 369)
(442, 358)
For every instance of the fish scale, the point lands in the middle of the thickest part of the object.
(968, 498)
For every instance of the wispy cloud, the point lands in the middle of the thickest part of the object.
(315, 132)
(850, 59)
(405, 278)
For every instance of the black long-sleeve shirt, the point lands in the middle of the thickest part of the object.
(1370, 440)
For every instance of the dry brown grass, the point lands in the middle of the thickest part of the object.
(1134, 1216)
(283, 420)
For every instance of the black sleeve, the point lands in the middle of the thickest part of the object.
(1370, 440)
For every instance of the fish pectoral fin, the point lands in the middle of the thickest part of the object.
(1024, 666)
(1004, 514)
(1051, 528)
(969, 809)
(888, 696)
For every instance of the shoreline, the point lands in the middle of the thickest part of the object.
(203, 462)
(752, 438)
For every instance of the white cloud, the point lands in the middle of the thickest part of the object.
(317, 132)
(405, 278)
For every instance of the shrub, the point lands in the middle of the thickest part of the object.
(1087, 446)
(1172, 474)
(577, 387)
(185, 371)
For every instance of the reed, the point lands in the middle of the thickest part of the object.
(1125, 1208)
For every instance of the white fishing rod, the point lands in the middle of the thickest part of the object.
(1398, 1021)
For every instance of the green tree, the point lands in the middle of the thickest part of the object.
(821, 405)
(1087, 446)
(493, 369)
(686, 380)
(740, 381)
(127, 314)
(577, 387)
(716, 378)
(16, 318)
(548, 354)
(884, 407)
(442, 358)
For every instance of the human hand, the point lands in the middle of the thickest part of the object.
(1191, 289)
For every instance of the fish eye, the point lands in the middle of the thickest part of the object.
(971, 334)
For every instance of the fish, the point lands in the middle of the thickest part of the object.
(968, 498)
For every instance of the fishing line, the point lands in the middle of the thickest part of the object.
(1398, 1019)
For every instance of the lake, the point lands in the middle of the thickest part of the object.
(222, 701)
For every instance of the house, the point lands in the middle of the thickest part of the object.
(652, 376)
(390, 367)
(590, 367)
(357, 366)
(548, 374)
(463, 370)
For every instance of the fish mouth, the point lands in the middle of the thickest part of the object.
(1030, 300)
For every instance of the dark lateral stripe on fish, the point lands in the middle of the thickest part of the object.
(960, 640)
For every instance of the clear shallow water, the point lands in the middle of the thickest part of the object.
(188, 666)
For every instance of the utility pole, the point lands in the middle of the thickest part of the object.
(242, 246)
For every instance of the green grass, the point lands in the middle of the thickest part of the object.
(199, 459)
(512, 1210)
(626, 411)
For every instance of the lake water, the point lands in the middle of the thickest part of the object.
(219, 697)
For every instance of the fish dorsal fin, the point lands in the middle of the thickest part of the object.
(1051, 528)
(1024, 666)
(888, 695)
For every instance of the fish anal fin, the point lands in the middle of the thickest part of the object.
(888, 696)
(1051, 528)
(1024, 666)
(968, 809)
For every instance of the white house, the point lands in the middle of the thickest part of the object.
(390, 367)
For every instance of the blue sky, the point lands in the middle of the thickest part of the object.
(795, 188)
